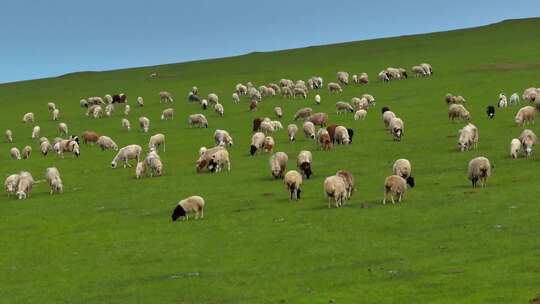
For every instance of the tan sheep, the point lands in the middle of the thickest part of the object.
(303, 113)
(303, 162)
(35, 132)
(292, 129)
(191, 204)
(63, 129)
(52, 175)
(397, 128)
(458, 111)
(402, 167)
(309, 130)
(144, 124)
(334, 87)
(468, 137)
(279, 112)
(528, 139)
(156, 141)
(11, 183)
(278, 164)
(24, 187)
(164, 97)
(125, 124)
(293, 181)
(343, 107)
(197, 120)
(125, 154)
(334, 188)
(27, 150)
(479, 170)
(15, 153)
(525, 116)
(348, 179)
(394, 185)
(8, 135)
(360, 115)
(318, 119)
(387, 118)
(28, 117)
(515, 147)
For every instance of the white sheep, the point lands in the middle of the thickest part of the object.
(383, 76)
(341, 135)
(213, 98)
(24, 187)
(503, 103)
(52, 175)
(293, 181)
(292, 129)
(528, 140)
(11, 183)
(303, 162)
(140, 101)
(479, 170)
(97, 112)
(106, 143)
(309, 130)
(63, 129)
(109, 110)
(334, 87)
(397, 128)
(108, 99)
(279, 112)
(197, 120)
(418, 71)
(468, 137)
(35, 132)
(360, 114)
(387, 118)
(140, 169)
(127, 109)
(153, 162)
(342, 107)
(514, 99)
(125, 124)
(343, 77)
(45, 147)
(317, 99)
(66, 145)
(156, 141)
(515, 147)
(278, 164)
(334, 187)
(222, 138)
(51, 106)
(402, 167)
(27, 150)
(218, 108)
(165, 97)
(167, 114)
(55, 114)
(394, 185)
(144, 124)
(525, 115)
(257, 141)
(219, 160)
(267, 127)
(8, 136)
(125, 154)
(28, 117)
(236, 98)
(188, 205)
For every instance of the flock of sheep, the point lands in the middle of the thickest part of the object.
(338, 188)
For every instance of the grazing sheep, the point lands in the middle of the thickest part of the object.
(219, 160)
(318, 119)
(52, 175)
(279, 112)
(140, 170)
(28, 118)
(303, 113)
(292, 129)
(360, 115)
(343, 77)
(458, 111)
(309, 130)
(15, 153)
(241, 89)
(293, 181)
(218, 108)
(267, 126)
(418, 71)
(490, 111)
(165, 97)
(515, 147)
(106, 143)
(276, 125)
(341, 136)
(402, 167)
(397, 128)
(278, 164)
(167, 114)
(206, 159)
(55, 114)
(324, 139)
(213, 98)
(204, 104)
(144, 124)
(300, 92)
(394, 185)
(67, 145)
(525, 115)
(479, 170)
(528, 139)
(24, 187)
(108, 99)
(156, 141)
(97, 112)
(530, 94)
(253, 105)
(222, 138)
(11, 183)
(51, 106)
(83, 103)
(89, 137)
(191, 204)
(342, 107)
(268, 144)
(468, 137)
(348, 179)
(236, 98)
(27, 150)
(195, 90)
(503, 103)
(197, 120)
(257, 141)
(45, 147)
(388, 116)
(257, 124)
(8, 136)
(383, 76)
(125, 154)
(109, 110)
(514, 99)
(35, 132)
(334, 87)
(152, 162)
(125, 124)
(127, 109)
(303, 162)
(63, 129)
(140, 102)
(427, 68)
(318, 99)
(334, 187)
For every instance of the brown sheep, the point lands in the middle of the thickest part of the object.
(319, 119)
(89, 137)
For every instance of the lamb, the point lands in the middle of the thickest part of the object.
(24, 187)
(52, 175)
(397, 128)
(140, 170)
(341, 136)
(334, 187)
(342, 107)
(218, 108)
(360, 115)
(106, 143)
(89, 137)
(402, 167)
(278, 164)
(144, 124)
(27, 150)
(35, 132)
(292, 129)
(63, 129)
(343, 77)
(125, 124)
(127, 109)
(257, 141)
(55, 114)
(468, 137)
(293, 181)
(318, 99)
(303, 113)
(458, 111)
(15, 153)
(525, 115)
(394, 185)
(8, 136)
(303, 162)
(279, 112)
(197, 120)
(324, 139)
(479, 170)
(167, 114)
(318, 119)
(309, 130)
(125, 154)
(28, 117)
(334, 87)
(51, 106)
(490, 111)
(11, 183)
(268, 144)
(514, 99)
(222, 138)
(156, 141)
(165, 97)
(140, 101)
(213, 98)
(528, 139)
(67, 145)
(515, 147)
(348, 179)
(45, 147)
(191, 204)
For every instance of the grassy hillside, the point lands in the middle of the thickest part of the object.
(109, 238)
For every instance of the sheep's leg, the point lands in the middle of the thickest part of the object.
(399, 198)
(384, 198)
(392, 197)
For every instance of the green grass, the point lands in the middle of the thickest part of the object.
(109, 238)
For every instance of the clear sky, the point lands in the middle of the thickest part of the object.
(41, 38)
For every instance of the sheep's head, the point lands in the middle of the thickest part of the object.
(114, 164)
(253, 150)
(21, 195)
(178, 212)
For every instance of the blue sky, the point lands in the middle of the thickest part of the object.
(49, 38)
